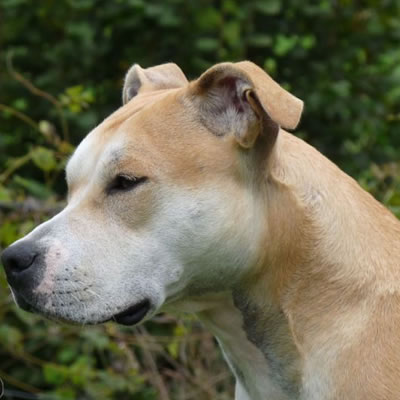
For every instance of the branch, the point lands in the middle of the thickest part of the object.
(17, 163)
(17, 383)
(154, 376)
(20, 115)
(38, 92)
(31, 205)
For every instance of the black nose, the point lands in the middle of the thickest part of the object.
(19, 257)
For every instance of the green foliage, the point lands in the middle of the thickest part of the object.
(61, 73)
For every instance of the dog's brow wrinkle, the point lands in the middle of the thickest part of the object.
(113, 160)
(115, 156)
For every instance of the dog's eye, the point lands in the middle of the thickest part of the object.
(123, 183)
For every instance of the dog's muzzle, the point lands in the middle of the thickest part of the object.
(24, 266)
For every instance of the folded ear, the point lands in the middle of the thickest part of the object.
(244, 100)
(164, 76)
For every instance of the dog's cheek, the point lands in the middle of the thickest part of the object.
(132, 210)
(200, 231)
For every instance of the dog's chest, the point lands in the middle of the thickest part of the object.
(255, 379)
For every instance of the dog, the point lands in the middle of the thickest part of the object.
(192, 197)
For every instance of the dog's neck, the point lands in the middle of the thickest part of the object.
(268, 324)
(249, 320)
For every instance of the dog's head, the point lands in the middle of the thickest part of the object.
(165, 198)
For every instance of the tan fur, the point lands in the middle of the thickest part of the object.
(332, 265)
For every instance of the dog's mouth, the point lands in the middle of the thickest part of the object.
(131, 316)
(134, 314)
(23, 304)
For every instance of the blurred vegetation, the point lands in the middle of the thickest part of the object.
(61, 69)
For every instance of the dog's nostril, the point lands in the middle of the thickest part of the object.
(19, 257)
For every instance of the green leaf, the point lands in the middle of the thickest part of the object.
(231, 32)
(308, 41)
(54, 374)
(208, 18)
(35, 188)
(65, 393)
(341, 88)
(81, 370)
(8, 233)
(97, 338)
(26, 226)
(61, 393)
(173, 348)
(207, 44)
(260, 40)
(284, 44)
(20, 104)
(10, 336)
(44, 158)
(180, 330)
(67, 354)
(5, 194)
(269, 7)
(270, 66)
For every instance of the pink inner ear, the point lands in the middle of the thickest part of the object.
(230, 84)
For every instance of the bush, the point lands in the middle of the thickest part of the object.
(61, 74)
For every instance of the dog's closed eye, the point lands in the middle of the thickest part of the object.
(124, 183)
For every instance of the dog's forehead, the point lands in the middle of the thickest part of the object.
(108, 142)
(155, 135)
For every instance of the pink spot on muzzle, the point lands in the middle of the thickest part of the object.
(54, 261)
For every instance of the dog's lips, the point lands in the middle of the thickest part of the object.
(22, 303)
(133, 314)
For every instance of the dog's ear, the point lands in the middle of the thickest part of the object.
(164, 76)
(244, 100)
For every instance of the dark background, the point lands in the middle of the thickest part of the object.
(62, 64)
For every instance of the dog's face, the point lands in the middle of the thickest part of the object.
(161, 200)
